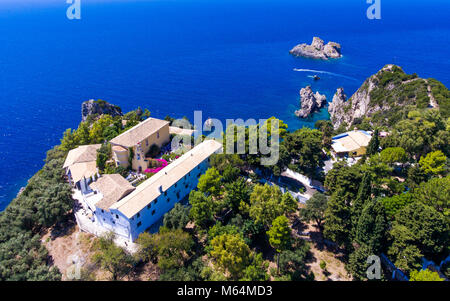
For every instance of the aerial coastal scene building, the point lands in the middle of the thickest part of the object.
(112, 203)
(138, 140)
(80, 166)
(241, 141)
(351, 143)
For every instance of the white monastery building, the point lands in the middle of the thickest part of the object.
(115, 205)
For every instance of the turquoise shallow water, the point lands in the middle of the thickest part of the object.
(227, 58)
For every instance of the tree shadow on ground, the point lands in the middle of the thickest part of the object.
(64, 227)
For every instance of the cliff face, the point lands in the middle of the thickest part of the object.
(310, 102)
(382, 98)
(318, 50)
(99, 107)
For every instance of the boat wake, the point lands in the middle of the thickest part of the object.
(325, 72)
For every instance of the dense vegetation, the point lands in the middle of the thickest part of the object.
(393, 201)
(47, 201)
(44, 202)
(396, 94)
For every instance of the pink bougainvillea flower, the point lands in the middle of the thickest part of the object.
(155, 170)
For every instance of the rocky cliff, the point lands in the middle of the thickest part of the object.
(99, 107)
(310, 102)
(386, 96)
(318, 50)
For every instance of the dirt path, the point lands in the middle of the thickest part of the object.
(433, 102)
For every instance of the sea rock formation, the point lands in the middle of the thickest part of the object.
(383, 97)
(310, 102)
(318, 50)
(336, 107)
(99, 107)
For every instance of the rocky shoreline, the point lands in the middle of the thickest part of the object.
(310, 102)
(99, 107)
(318, 50)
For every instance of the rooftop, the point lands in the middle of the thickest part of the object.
(79, 171)
(113, 187)
(351, 141)
(180, 131)
(139, 132)
(82, 154)
(149, 190)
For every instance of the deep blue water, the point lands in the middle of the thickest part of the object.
(227, 58)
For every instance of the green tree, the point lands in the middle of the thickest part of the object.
(305, 149)
(210, 182)
(415, 176)
(231, 254)
(372, 226)
(231, 174)
(338, 226)
(425, 275)
(364, 194)
(202, 209)
(147, 247)
(395, 203)
(257, 270)
(68, 141)
(393, 155)
(292, 262)
(280, 235)
(237, 195)
(268, 202)
(82, 134)
(111, 257)
(222, 161)
(357, 263)
(403, 251)
(110, 132)
(219, 229)
(326, 127)
(315, 209)
(374, 143)
(434, 163)
(170, 247)
(103, 155)
(173, 247)
(177, 218)
(98, 128)
(435, 193)
(345, 179)
(23, 257)
(428, 227)
(419, 134)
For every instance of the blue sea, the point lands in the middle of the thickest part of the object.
(227, 58)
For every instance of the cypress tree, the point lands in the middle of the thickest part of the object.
(372, 226)
(364, 194)
(374, 144)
